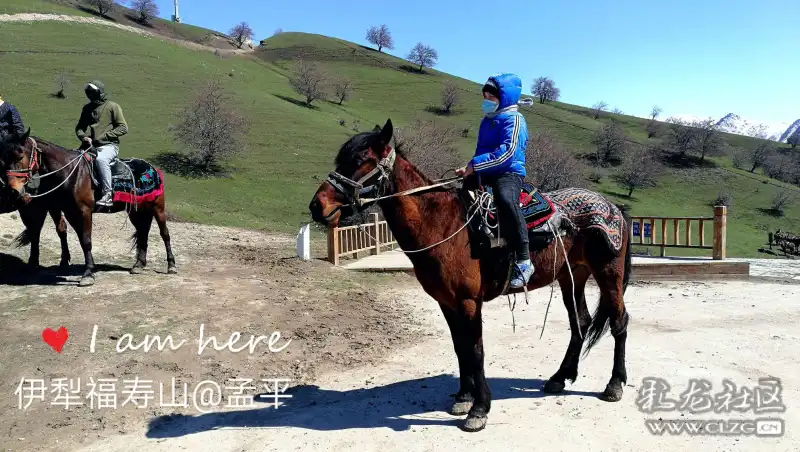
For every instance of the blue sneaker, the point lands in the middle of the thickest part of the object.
(522, 273)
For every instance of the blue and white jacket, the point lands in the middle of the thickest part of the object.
(503, 134)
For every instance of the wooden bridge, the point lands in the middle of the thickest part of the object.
(371, 247)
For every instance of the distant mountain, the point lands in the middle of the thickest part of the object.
(733, 123)
(790, 131)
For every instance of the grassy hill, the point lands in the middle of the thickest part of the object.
(290, 147)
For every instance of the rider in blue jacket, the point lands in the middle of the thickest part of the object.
(500, 162)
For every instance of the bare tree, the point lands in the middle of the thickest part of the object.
(781, 167)
(545, 89)
(740, 158)
(639, 170)
(146, 10)
(241, 33)
(758, 131)
(309, 80)
(709, 141)
(103, 6)
(210, 127)
(342, 88)
(381, 37)
(794, 139)
(655, 112)
(423, 55)
(617, 111)
(610, 143)
(682, 137)
(549, 166)
(758, 155)
(449, 95)
(653, 128)
(431, 147)
(277, 32)
(780, 202)
(598, 109)
(62, 83)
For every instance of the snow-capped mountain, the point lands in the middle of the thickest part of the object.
(733, 123)
(794, 128)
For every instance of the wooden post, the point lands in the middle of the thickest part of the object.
(688, 233)
(376, 222)
(702, 233)
(675, 231)
(720, 220)
(663, 237)
(333, 246)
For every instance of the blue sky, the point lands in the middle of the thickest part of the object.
(692, 57)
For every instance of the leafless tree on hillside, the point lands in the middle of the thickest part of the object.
(342, 88)
(381, 37)
(423, 55)
(210, 127)
(794, 139)
(758, 155)
(449, 95)
(653, 128)
(758, 131)
(709, 140)
(146, 10)
(617, 111)
(782, 167)
(682, 137)
(241, 33)
(62, 83)
(550, 167)
(545, 89)
(277, 32)
(103, 6)
(639, 170)
(309, 80)
(610, 143)
(431, 147)
(598, 109)
(655, 112)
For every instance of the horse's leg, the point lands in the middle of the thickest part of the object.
(80, 218)
(142, 220)
(61, 230)
(161, 219)
(33, 219)
(569, 365)
(611, 312)
(464, 398)
(473, 350)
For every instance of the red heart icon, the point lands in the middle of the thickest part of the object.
(55, 339)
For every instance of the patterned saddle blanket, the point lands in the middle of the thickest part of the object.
(132, 180)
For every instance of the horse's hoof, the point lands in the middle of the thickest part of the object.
(613, 393)
(137, 270)
(172, 270)
(461, 408)
(553, 386)
(86, 281)
(474, 423)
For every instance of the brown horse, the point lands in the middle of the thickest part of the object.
(46, 178)
(460, 284)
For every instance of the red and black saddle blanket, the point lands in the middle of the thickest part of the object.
(536, 207)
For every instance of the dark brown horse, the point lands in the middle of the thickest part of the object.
(47, 178)
(461, 284)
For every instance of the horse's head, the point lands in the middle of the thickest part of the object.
(17, 161)
(362, 166)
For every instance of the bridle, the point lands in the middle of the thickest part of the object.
(33, 165)
(353, 190)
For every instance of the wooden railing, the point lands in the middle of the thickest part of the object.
(349, 241)
(682, 232)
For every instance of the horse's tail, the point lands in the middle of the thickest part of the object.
(602, 315)
(23, 239)
(134, 239)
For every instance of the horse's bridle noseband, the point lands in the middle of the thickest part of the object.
(33, 165)
(357, 188)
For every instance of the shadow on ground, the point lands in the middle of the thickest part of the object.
(15, 272)
(313, 408)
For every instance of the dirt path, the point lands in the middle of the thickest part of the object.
(229, 281)
(38, 17)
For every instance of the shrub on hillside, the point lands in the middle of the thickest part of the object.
(342, 88)
(102, 6)
(210, 129)
(62, 83)
(610, 143)
(146, 10)
(309, 80)
(780, 202)
(550, 167)
(431, 147)
(724, 198)
(598, 109)
(640, 169)
(449, 96)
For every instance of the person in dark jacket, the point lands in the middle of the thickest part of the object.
(500, 162)
(101, 124)
(10, 120)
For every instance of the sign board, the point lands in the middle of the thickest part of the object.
(647, 231)
(636, 228)
(304, 243)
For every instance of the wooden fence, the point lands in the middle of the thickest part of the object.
(682, 232)
(661, 232)
(349, 241)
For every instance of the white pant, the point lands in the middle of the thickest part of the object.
(105, 155)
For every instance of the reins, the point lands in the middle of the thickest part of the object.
(34, 166)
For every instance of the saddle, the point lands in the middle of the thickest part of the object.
(132, 180)
(543, 219)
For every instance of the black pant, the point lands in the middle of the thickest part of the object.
(506, 189)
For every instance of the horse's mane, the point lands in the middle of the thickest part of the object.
(355, 149)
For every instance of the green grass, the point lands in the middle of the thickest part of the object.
(290, 147)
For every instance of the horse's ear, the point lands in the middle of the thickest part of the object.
(24, 138)
(387, 132)
(377, 128)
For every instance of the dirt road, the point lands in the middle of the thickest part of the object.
(383, 370)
